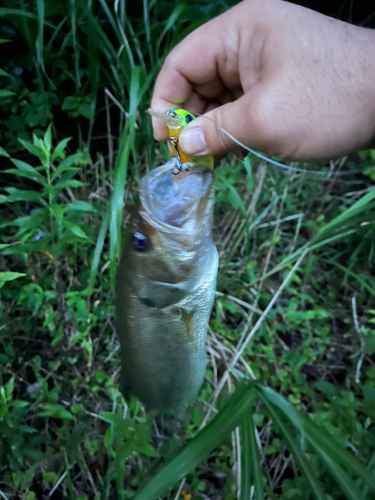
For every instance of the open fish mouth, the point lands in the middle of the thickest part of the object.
(179, 203)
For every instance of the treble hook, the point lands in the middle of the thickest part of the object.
(174, 142)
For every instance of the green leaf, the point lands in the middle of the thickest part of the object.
(34, 150)
(3, 73)
(251, 473)
(10, 276)
(320, 441)
(22, 195)
(238, 203)
(299, 456)
(70, 183)
(328, 389)
(20, 404)
(48, 139)
(28, 175)
(147, 449)
(31, 295)
(71, 160)
(76, 230)
(6, 93)
(62, 169)
(4, 153)
(81, 206)
(50, 477)
(59, 151)
(55, 411)
(28, 169)
(58, 212)
(71, 103)
(209, 438)
(9, 387)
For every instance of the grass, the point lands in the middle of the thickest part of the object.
(287, 406)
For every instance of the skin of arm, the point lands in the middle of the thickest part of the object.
(280, 78)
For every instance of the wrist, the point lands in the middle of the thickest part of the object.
(363, 70)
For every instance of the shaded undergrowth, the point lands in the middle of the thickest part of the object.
(294, 309)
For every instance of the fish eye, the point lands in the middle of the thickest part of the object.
(140, 242)
(189, 118)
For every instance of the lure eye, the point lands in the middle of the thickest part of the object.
(140, 242)
(172, 113)
(189, 118)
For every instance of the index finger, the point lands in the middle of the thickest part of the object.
(191, 65)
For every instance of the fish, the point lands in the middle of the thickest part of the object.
(166, 281)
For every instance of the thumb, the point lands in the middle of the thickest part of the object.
(204, 136)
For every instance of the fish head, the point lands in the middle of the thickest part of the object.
(172, 226)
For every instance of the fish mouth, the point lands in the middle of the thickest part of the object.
(180, 205)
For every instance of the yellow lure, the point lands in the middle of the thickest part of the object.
(176, 120)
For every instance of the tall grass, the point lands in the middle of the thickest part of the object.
(106, 49)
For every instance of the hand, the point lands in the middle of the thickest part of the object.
(280, 78)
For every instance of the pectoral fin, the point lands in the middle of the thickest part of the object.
(159, 295)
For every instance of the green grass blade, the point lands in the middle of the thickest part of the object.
(40, 36)
(146, 18)
(120, 72)
(347, 271)
(234, 192)
(319, 439)
(73, 22)
(346, 484)
(111, 20)
(250, 461)
(348, 222)
(296, 451)
(17, 12)
(180, 10)
(344, 219)
(121, 169)
(209, 438)
(93, 62)
(98, 251)
(136, 42)
(371, 470)
(119, 32)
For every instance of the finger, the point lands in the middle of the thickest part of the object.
(199, 60)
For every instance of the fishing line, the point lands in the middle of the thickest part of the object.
(169, 120)
(260, 155)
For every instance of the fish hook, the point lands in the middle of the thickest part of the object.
(174, 142)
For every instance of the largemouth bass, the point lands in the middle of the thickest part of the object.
(166, 285)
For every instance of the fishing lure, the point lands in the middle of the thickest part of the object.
(176, 120)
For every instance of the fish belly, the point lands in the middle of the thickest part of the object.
(163, 351)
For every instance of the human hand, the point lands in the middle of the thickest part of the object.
(280, 78)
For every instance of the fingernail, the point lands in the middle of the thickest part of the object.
(192, 141)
